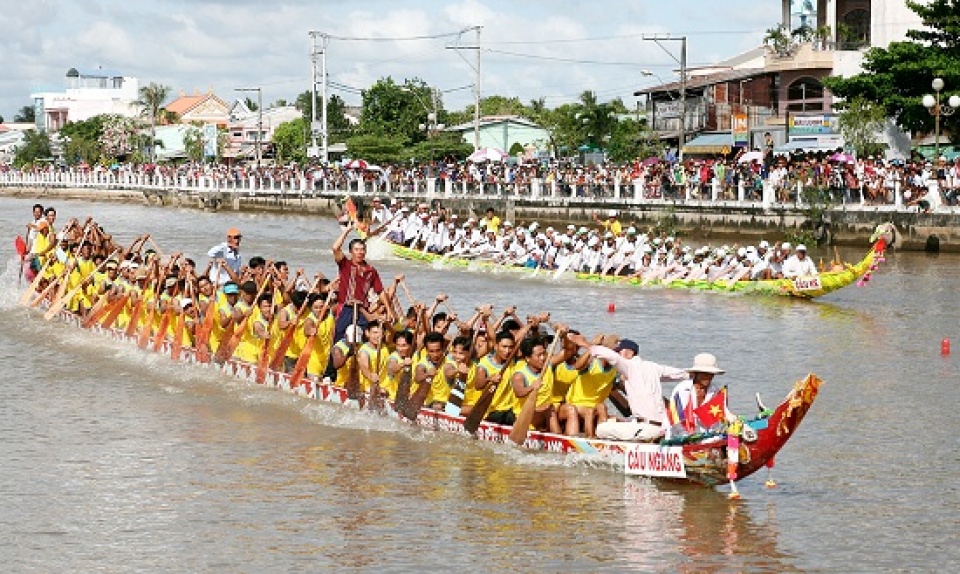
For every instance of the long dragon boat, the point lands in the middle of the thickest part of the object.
(808, 287)
(703, 459)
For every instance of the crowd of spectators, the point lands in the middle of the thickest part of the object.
(840, 178)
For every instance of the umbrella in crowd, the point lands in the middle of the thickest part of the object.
(651, 161)
(842, 157)
(355, 164)
(487, 154)
(751, 156)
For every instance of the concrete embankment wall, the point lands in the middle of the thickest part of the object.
(853, 227)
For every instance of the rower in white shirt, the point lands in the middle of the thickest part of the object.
(798, 264)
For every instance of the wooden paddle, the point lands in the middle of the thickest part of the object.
(59, 305)
(277, 361)
(263, 361)
(479, 412)
(353, 380)
(375, 400)
(165, 319)
(95, 313)
(69, 265)
(521, 426)
(100, 309)
(412, 407)
(117, 307)
(304, 359)
(25, 299)
(202, 337)
(135, 313)
(144, 337)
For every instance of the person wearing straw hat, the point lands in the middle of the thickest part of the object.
(691, 393)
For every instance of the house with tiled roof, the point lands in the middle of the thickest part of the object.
(201, 108)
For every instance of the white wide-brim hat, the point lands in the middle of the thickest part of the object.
(705, 363)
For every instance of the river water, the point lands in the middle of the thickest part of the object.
(117, 460)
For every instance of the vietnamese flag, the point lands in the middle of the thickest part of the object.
(714, 410)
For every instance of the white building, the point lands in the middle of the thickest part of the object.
(88, 93)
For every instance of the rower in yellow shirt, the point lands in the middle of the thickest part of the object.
(399, 363)
(372, 357)
(535, 365)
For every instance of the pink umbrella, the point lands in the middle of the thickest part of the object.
(651, 161)
(355, 164)
(842, 157)
(487, 154)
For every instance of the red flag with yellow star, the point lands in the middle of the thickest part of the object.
(714, 410)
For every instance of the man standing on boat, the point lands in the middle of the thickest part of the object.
(642, 381)
(229, 253)
(357, 279)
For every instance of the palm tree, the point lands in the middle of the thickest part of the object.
(151, 104)
(597, 120)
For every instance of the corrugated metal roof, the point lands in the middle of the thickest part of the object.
(695, 82)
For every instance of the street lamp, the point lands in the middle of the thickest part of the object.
(259, 120)
(932, 103)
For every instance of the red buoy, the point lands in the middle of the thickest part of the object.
(945, 347)
(612, 308)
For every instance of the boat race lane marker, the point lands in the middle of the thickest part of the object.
(654, 460)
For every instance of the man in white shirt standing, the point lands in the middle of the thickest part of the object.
(229, 253)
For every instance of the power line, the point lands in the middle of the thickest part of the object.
(622, 37)
(576, 61)
(394, 38)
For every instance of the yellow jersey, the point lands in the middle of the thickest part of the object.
(377, 359)
(504, 396)
(544, 394)
(593, 386)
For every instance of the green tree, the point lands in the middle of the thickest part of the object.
(290, 140)
(392, 109)
(193, 143)
(150, 103)
(25, 115)
(377, 148)
(598, 120)
(83, 140)
(859, 122)
(444, 145)
(491, 106)
(251, 104)
(898, 76)
(35, 147)
(338, 127)
(564, 127)
(632, 140)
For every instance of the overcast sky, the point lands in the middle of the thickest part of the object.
(531, 48)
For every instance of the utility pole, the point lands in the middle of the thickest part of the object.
(683, 81)
(318, 122)
(476, 83)
(259, 139)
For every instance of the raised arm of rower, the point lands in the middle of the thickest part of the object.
(338, 244)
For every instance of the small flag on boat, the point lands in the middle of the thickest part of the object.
(351, 209)
(714, 410)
